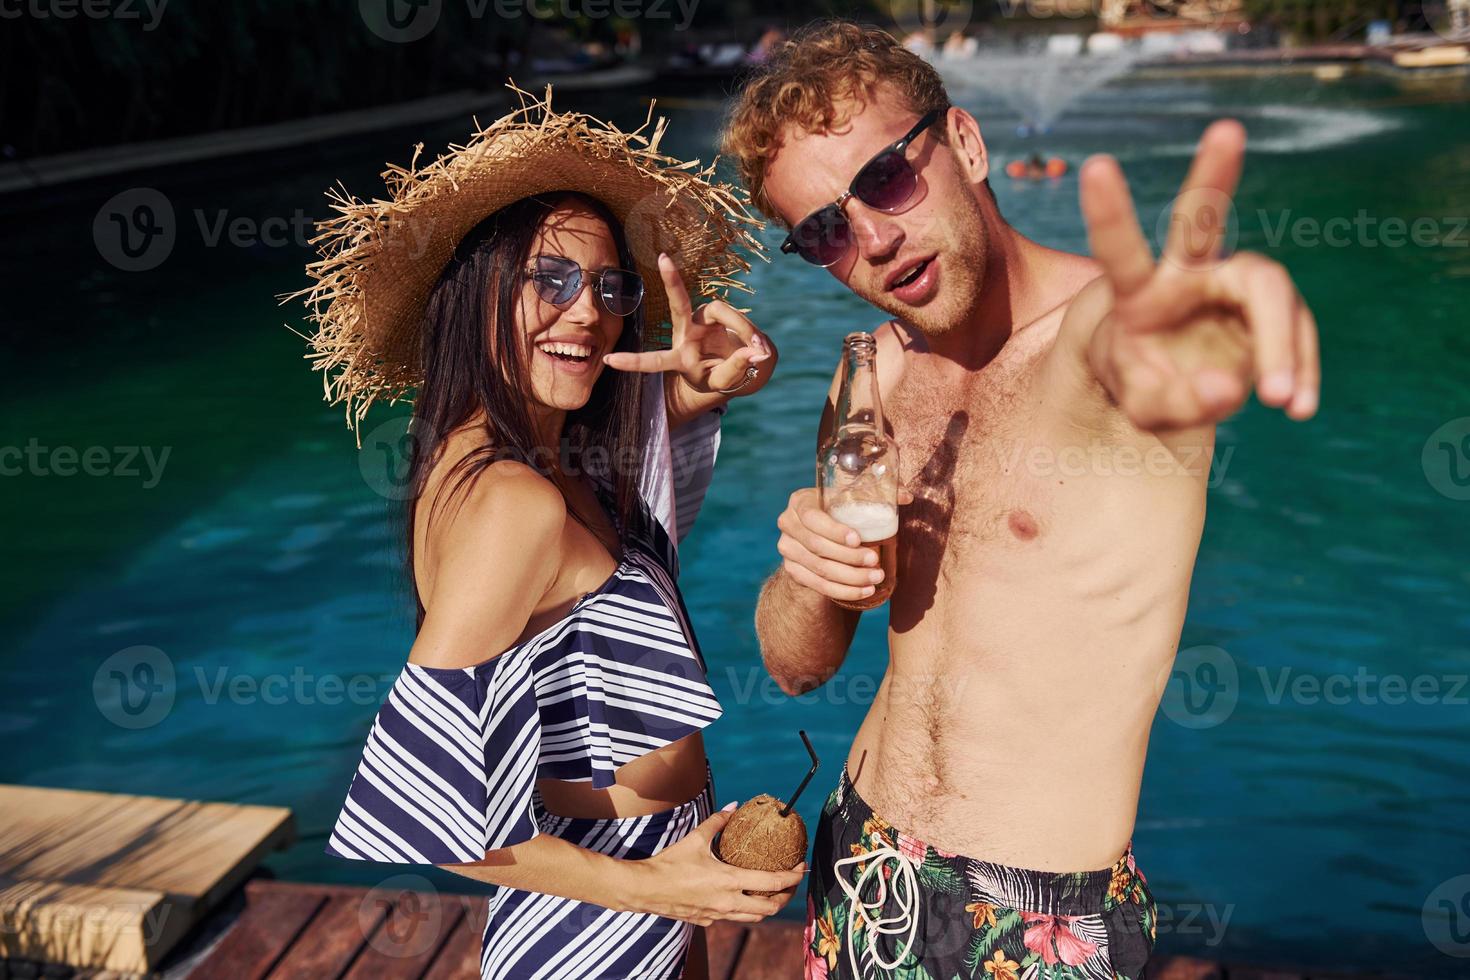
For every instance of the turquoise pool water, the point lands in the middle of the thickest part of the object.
(1310, 813)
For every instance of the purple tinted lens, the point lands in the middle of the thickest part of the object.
(824, 237)
(557, 280)
(621, 291)
(886, 183)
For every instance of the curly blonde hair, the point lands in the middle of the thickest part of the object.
(824, 63)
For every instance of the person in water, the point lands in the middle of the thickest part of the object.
(1035, 168)
(544, 736)
(1055, 415)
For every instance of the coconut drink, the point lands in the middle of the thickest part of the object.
(765, 834)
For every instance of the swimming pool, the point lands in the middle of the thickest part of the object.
(1310, 812)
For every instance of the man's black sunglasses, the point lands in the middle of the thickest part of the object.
(885, 183)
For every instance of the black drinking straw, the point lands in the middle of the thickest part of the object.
(786, 810)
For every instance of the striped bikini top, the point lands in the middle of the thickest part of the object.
(450, 765)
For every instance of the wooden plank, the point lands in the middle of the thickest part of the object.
(333, 938)
(291, 930)
(724, 940)
(185, 848)
(103, 928)
(459, 958)
(1182, 968)
(271, 922)
(772, 952)
(92, 860)
(416, 929)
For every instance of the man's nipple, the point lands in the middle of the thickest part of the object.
(1022, 525)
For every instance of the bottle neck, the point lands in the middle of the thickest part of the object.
(858, 405)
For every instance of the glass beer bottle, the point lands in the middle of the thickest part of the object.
(857, 468)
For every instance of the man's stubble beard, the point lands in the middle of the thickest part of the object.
(964, 252)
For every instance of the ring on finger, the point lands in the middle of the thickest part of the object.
(751, 373)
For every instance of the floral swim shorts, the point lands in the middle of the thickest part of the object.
(883, 904)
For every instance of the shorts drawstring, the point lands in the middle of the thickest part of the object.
(907, 897)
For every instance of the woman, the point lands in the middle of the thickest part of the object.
(545, 735)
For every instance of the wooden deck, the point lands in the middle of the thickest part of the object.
(291, 931)
(112, 881)
(315, 932)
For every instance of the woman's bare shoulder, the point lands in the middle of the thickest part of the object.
(467, 492)
(494, 551)
(505, 498)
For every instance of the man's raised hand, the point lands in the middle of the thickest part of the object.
(1188, 336)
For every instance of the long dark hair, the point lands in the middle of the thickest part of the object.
(475, 360)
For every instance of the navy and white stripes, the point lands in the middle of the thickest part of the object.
(453, 757)
(541, 937)
(450, 766)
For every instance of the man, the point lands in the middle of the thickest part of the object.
(1055, 420)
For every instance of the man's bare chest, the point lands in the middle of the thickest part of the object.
(964, 449)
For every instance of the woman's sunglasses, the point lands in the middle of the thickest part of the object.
(885, 183)
(559, 281)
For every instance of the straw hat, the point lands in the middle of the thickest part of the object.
(381, 258)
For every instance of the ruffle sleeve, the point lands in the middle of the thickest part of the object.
(448, 771)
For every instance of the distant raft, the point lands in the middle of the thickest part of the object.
(1036, 169)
